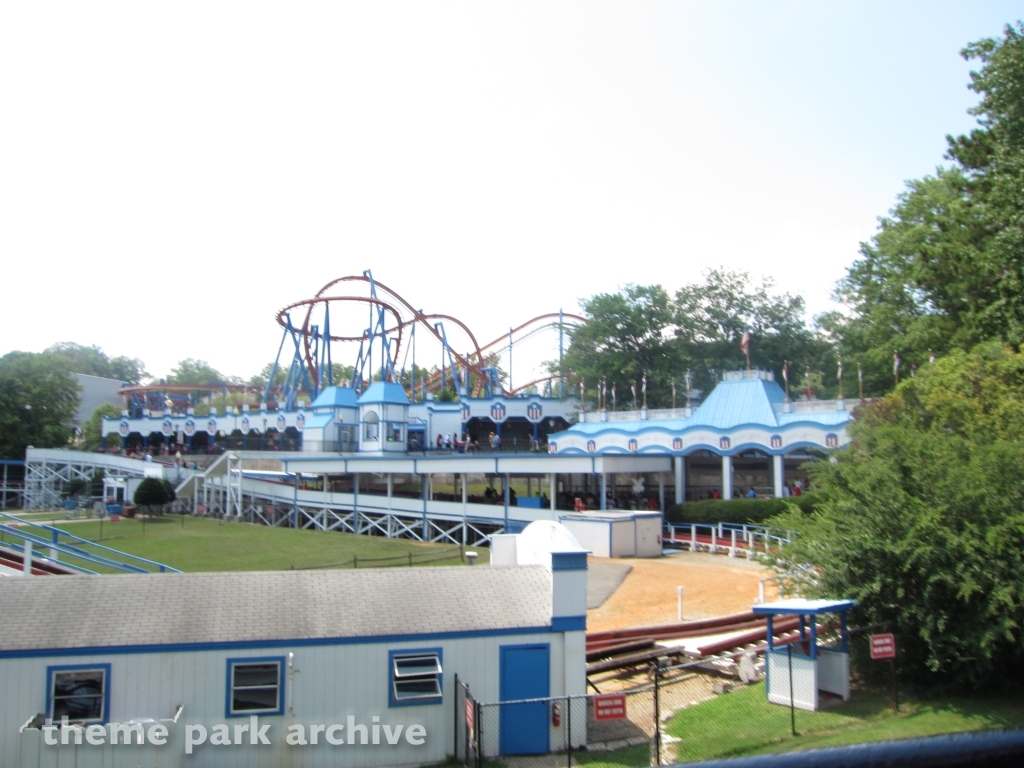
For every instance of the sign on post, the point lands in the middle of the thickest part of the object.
(612, 707)
(883, 646)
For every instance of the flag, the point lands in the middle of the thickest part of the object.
(839, 370)
(689, 381)
(785, 372)
(644, 384)
(745, 343)
(860, 374)
(582, 389)
(895, 363)
(673, 389)
(632, 388)
(613, 395)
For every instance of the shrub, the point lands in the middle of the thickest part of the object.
(751, 511)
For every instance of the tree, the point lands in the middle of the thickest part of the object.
(191, 371)
(644, 329)
(38, 400)
(946, 267)
(152, 492)
(93, 361)
(92, 429)
(921, 519)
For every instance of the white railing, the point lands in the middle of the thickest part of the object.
(755, 374)
(595, 417)
(810, 406)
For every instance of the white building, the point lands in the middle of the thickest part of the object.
(174, 656)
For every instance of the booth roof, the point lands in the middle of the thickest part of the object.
(800, 606)
(336, 397)
(385, 392)
(177, 609)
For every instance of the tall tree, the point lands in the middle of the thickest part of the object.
(38, 400)
(93, 361)
(644, 329)
(946, 267)
(920, 519)
(192, 371)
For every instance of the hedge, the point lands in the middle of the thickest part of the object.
(754, 511)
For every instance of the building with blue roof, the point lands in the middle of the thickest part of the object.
(747, 423)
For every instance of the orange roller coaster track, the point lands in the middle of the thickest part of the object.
(404, 315)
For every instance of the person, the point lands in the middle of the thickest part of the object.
(786, 493)
(716, 494)
(751, 494)
(440, 440)
(447, 441)
(798, 488)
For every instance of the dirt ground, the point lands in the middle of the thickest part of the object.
(713, 585)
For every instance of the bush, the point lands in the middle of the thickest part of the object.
(152, 492)
(751, 511)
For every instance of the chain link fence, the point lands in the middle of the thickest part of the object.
(711, 708)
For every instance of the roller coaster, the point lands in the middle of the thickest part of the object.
(390, 332)
(304, 365)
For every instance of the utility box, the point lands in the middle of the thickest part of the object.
(812, 667)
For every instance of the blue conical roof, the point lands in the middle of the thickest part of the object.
(336, 397)
(735, 403)
(384, 392)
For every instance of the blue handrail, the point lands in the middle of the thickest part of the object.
(54, 542)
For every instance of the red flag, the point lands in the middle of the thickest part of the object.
(745, 343)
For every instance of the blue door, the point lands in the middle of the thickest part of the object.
(525, 674)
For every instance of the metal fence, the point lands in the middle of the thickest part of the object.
(680, 713)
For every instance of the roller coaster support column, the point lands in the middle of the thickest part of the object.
(779, 474)
(551, 494)
(679, 463)
(424, 491)
(510, 358)
(727, 477)
(505, 494)
(561, 333)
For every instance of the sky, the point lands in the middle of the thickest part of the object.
(171, 175)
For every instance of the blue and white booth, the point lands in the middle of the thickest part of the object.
(384, 418)
(815, 667)
(334, 424)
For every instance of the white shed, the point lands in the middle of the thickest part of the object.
(219, 664)
(617, 534)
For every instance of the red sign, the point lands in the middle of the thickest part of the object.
(610, 707)
(883, 646)
(469, 714)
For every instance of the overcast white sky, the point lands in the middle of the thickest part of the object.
(172, 174)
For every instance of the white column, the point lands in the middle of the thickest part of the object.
(680, 467)
(661, 491)
(551, 493)
(390, 488)
(727, 477)
(604, 492)
(779, 465)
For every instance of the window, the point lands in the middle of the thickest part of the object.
(255, 686)
(371, 430)
(415, 677)
(79, 693)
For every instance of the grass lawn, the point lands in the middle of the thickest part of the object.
(743, 722)
(212, 545)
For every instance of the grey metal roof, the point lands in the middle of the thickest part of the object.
(64, 612)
